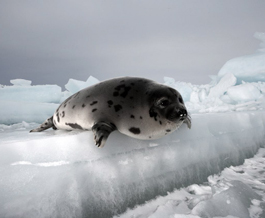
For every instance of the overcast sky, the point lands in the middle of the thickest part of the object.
(51, 41)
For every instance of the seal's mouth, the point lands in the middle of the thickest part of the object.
(177, 114)
(180, 116)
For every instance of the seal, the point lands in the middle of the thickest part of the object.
(137, 107)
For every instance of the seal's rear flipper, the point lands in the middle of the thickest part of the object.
(46, 125)
(101, 131)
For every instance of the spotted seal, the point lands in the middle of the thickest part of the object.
(137, 107)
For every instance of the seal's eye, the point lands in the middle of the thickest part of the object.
(181, 100)
(163, 103)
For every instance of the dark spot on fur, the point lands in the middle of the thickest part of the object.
(74, 125)
(153, 114)
(46, 124)
(63, 114)
(110, 102)
(122, 90)
(64, 105)
(160, 122)
(132, 116)
(94, 109)
(94, 102)
(88, 96)
(135, 130)
(73, 107)
(141, 117)
(58, 118)
(117, 107)
(150, 137)
(83, 105)
(168, 130)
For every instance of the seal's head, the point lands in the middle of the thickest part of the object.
(168, 103)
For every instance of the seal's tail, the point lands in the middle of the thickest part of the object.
(46, 125)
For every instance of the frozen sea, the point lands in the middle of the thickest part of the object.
(215, 169)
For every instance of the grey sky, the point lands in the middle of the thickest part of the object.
(51, 41)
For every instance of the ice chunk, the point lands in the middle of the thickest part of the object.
(20, 82)
(249, 68)
(244, 92)
(40, 93)
(226, 81)
(74, 86)
(234, 201)
(105, 182)
(255, 209)
(15, 112)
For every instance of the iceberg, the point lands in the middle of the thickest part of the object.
(248, 68)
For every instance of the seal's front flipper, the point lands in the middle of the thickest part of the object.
(101, 131)
(188, 121)
(46, 125)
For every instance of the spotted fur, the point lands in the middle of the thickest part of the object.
(129, 105)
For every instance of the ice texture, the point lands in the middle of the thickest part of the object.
(236, 192)
(75, 178)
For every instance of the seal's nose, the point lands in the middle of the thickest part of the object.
(182, 113)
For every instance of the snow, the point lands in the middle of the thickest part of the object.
(216, 169)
